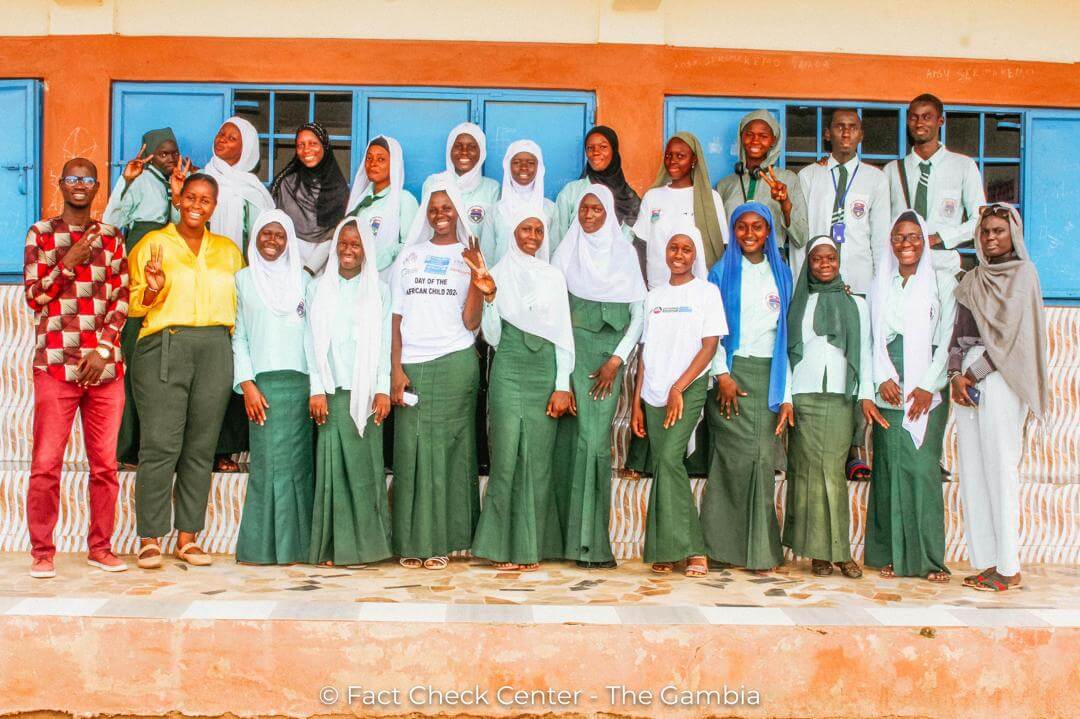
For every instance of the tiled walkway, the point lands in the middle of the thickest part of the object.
(559, 593)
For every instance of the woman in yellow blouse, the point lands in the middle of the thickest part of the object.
(182, 285)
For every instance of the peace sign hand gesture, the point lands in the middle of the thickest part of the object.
(778, 189)
(135, 167)
(155, 275)
(176, 179)
(481, 277)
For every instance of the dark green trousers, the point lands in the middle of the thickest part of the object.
(182, 381)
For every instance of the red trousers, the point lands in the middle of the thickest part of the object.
(55, 402)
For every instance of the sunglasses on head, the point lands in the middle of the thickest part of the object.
(72, 180)
(995, 210)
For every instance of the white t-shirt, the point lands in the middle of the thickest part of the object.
(428, 285)
(676, 320)
(661, 208)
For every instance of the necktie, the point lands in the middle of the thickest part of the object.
(841, 191)
(923, 189)
(366, 202)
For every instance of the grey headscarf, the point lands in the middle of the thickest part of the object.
(773, 156)
(1006, 300)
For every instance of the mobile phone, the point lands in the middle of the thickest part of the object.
(410, 399)
(974, 395)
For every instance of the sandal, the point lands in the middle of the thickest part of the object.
(528, 567)
(939, 577)
(505, 566)
(994, 582)
(149, 562)
(662, 567)
(436, 563)
(858, 470)
(411, 562)
(850, 569)
(820, 568)
(696, 566)
(971, 579)
(201, 559)
(887, 572)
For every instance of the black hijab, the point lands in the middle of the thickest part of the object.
(333, 190)
(627, 201)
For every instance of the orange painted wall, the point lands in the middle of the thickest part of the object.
(630, 81)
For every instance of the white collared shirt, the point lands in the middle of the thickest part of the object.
(867, 214)
(823, 367)
(955, 189)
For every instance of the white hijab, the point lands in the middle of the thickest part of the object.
(471, 179)
(686, 226)
(515, 197)
(603, 266)
(237, 184)
(421, 230)
(368, 332)
(531, 293)
(279, 283)
(922, 309)
(362, 186)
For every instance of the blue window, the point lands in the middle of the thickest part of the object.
(20, 169)
(1030, 158)
(419, 118)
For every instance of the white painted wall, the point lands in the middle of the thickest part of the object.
(992, 29)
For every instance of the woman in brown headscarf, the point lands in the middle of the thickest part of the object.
(997, 372)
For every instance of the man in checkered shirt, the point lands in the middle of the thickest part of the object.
(76, 282)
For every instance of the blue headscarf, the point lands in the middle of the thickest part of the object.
(727, 275)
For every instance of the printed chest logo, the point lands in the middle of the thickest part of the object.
(858, 209)
(949, 207)
(476, 214)
(411, 263)
(436, 265)
(667, 310)
(772, 302)
(655, 217)
(376, 223)
(300, 310)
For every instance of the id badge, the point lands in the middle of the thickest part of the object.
(838, 233)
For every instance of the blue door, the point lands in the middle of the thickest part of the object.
(1051, 196)
(420, 122)
(20, 163)
(715, 121)
(194, 112)
(555, 121)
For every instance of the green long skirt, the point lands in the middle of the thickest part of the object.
(639, 453)
(583, 453)
(672, 526)
(350, 517)
(817, 514)
(519, 522)
(436, 482)
(127, 441)
(905, 513)
(276, 524)
(738, 509)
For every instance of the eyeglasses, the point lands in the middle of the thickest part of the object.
(913, 238)
(995, 210)
(72, 180)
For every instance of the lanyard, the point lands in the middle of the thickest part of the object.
(841, 201)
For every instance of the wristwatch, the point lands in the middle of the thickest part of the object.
(105, 354)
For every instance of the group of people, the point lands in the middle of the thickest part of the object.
(767, 321)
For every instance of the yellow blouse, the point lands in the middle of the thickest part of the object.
(199, 289)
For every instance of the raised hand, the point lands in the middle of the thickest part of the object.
(176, 179)
(152, 271)
(135, 167)
(777, 188)
(481, 277)
(82, 249)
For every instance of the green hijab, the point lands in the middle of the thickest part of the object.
(836, 317)
(704, 208)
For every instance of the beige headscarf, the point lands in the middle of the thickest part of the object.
(712, 235)
(1006, 301)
